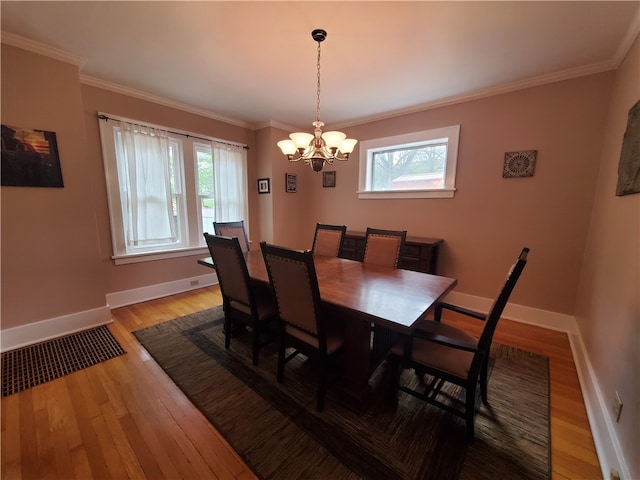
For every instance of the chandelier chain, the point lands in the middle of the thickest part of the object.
(319, 148)
(318, 94)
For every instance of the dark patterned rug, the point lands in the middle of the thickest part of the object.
(278, 432)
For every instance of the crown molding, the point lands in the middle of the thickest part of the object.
(42, 49)
(131, 92)
(627, 41)
(489, 92)
(276, 124)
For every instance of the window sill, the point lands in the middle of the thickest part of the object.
(390, 194)
(152, 256)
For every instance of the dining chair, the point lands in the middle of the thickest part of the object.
(243, 302)
(304, 323)
(233, 229)
(328, 239)
(449, 354)
(383, 247)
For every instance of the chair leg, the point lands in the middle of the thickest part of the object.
(256, 345)
(227, 331)
(394, 380)
(470, 410)
(483, 380)
(322, 385)
(281, 359)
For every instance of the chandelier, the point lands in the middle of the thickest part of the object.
(319, 148)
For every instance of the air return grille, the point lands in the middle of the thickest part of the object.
(35, 364)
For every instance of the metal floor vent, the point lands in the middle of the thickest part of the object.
(40, 363)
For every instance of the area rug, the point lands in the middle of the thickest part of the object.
(33, 365)
(280, 435)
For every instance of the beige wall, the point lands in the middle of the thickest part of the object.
(484, 226)
(608, 307)
(50, 249)
(491, 218)
(285, 217)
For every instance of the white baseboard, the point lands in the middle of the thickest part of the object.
(143, 294)
(604, 437)
(518, 313)
(37, 332)
(23, 335)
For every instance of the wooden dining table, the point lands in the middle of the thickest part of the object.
(391, 299)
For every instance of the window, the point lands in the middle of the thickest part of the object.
(158, 208)
(414, 165)
(221, 179)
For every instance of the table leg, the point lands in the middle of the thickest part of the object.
(357, 354)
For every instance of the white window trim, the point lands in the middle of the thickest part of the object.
(451, 134)
(152, 256)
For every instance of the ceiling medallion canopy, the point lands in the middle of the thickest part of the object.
(318, 148)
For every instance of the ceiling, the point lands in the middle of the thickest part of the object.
(254, 63)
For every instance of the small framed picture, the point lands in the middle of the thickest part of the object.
(329, 179)
(290, 182)
(264, 185)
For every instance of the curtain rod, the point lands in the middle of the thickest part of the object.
(105, 117)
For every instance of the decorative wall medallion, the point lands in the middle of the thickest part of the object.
(519, 164)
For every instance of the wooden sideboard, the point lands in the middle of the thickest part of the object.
(419, 254)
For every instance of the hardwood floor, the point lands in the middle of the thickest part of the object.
(124, 418)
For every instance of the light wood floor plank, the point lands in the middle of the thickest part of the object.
(124, 418)
(11, 441)
(83, 410)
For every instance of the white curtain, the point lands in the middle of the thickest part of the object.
(230, 182)
(144, 175)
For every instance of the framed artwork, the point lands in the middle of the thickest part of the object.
(264, 185)
(30, 158)
(519, 164)
(290, 182)
(629, 166)
(329, 179)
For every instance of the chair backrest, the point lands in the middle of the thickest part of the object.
(328, 239)
(383, 247)
(495, 312)
(233, 229)
(231, 268)
(292, 275)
